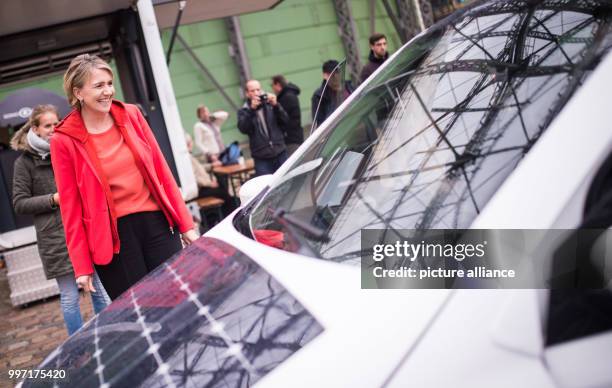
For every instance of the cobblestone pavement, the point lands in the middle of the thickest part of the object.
(29, 334)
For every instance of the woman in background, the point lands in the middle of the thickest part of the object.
(208, 185)
(35, 193)
(207, 134)
(119, 201)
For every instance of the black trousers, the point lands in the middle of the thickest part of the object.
(146, 242)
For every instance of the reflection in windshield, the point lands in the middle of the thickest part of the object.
(207, 317)
(430, 139)
(335, 90)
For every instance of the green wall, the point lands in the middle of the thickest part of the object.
(210, 42)
(292, 39)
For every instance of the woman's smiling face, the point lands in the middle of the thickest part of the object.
(46, 125)
(97, 92)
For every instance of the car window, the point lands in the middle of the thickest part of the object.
(337, 88)
(429, 140)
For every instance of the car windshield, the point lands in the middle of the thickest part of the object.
(429, 139)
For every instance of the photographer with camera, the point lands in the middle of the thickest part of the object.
(261, 118)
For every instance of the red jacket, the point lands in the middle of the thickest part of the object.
(86, 202)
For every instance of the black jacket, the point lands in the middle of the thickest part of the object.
(373, 64)
(330, 100)
(288, 98)
(263, 146)
(33, 187)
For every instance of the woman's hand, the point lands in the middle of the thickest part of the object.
(56, 198)
(189, 236)
(86, 283)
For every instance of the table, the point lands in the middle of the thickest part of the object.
(235, 171)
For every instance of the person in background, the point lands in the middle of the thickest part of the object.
(207, 133)
(287, 95)
(378, 55)
(208, 185)
(119, 202)
(35, 193)
(261, 118)
(325, 100)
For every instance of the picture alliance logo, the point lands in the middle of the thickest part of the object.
(405, 249)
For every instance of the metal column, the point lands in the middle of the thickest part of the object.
(206, 72)
(348, 35)
(238, 50)
(399, 21)
(167, 99)
(179, 15)
(426, 12)
(412, 17)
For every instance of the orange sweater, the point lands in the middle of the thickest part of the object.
(129, 190)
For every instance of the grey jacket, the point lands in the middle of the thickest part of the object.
(33, 188)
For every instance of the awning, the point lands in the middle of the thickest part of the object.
(200, 10)
(24, 15)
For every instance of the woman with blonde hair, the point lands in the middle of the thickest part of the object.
(119, 201)
(35, 193)
(207, 134)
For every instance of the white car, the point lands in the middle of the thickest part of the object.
(495, 118)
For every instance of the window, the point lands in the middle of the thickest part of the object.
(428, 141)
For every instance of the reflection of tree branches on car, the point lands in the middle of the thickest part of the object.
(514, 74)
(268, 338)
(492, 111)
(413, 193)
(265, 342)
(567, 36)
(555, 40)
(586, 7)
(387, 221)
(476, 89)
(360, 152)
(484, 114)
(202, 338)
(442, 138)
(473, 147)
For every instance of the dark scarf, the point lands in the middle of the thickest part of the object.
(375, 59)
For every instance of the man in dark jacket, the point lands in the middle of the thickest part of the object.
(378, 54)
(287, 95)
(326, 99)
(261, 118)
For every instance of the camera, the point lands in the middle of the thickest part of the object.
(263, 98)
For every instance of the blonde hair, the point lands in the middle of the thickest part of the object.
(78, 71)
(33, 121)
